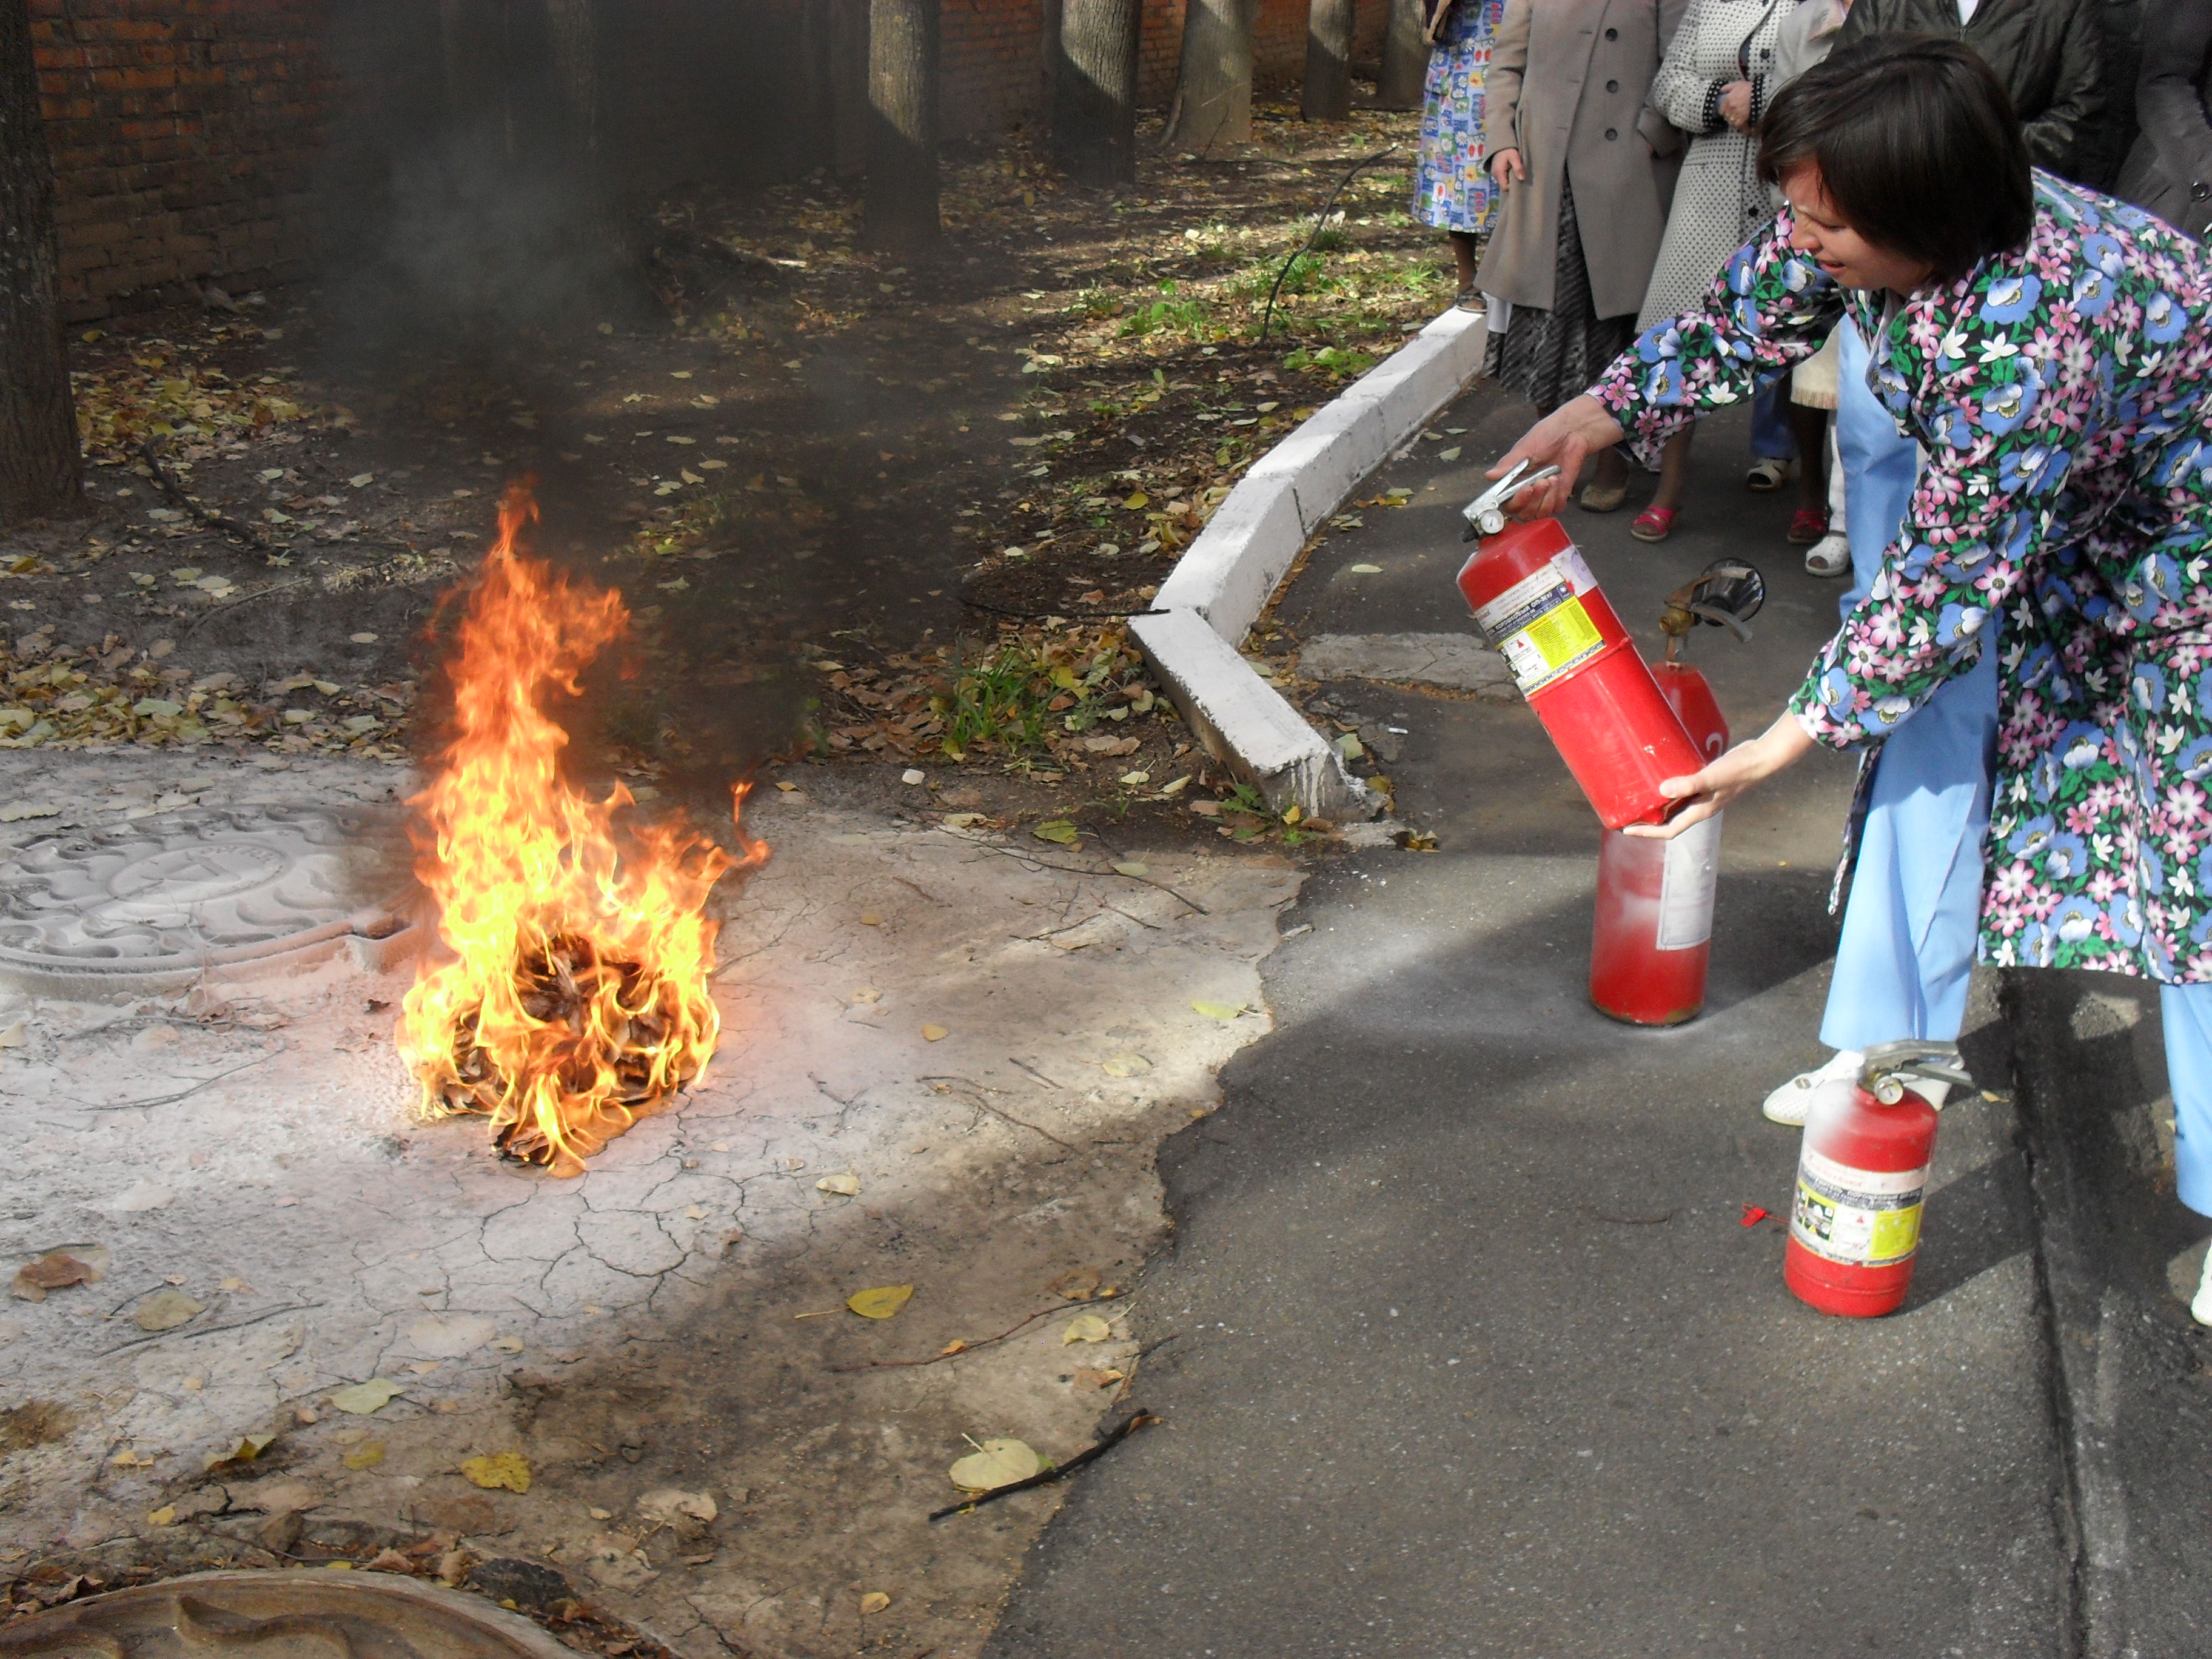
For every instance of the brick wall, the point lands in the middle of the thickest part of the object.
(199, 140)
(186, 134)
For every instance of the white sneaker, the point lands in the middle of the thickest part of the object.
(1793, 1102)
(2200, 1310)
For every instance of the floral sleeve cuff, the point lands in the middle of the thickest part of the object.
(1769, 309)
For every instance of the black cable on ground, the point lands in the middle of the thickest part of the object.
(1268, 317)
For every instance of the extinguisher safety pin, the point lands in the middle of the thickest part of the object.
(1486, 513)
(1887, 1064)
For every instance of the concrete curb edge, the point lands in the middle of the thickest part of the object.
(1224, 579)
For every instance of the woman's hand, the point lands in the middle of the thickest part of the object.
(1565, 438)
(1505, 162)
(1711, 790)
(1735, 104)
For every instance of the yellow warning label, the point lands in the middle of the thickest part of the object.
(1563, 634)
(1896, 1234)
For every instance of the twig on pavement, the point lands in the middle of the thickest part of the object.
(1106, 1443)
(971, 1347)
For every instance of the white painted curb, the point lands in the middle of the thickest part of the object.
(1223, 582)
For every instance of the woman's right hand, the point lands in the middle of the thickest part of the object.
(1504, 163)
(1565, 438)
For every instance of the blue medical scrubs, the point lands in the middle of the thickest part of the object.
(1907, 949)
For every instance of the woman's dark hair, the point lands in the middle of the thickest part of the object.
(1918, 145)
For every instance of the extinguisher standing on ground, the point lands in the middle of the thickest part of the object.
(1651, 941)
(1862, 1179)
(1534, 599)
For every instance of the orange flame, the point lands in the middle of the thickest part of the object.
(573, 993)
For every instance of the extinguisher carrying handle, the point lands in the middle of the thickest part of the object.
(1887, 1064)
(1486, 513)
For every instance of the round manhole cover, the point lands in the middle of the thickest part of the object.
(155, 904)
(280, 1616)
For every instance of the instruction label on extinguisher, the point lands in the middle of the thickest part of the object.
(1539, 625)
(1686, 883)
(1861, 1218)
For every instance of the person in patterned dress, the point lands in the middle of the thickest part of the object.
(2051, 349)
(1451, 189)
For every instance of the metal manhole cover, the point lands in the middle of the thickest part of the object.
(280, 1616)
(155, 904)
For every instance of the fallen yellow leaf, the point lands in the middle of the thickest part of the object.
(508, 1469)
(363, 1398)
(880, 1303)
(995, 1463)
(846, 1186)
(164, 1516)
(1221, 1011)
(367, 1456)
(934, 1034)
(874, 1602)
(1086, 1327)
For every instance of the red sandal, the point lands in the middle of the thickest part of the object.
(1807, 525)
(1653, 524)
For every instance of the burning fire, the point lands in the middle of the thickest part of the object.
(573, 993)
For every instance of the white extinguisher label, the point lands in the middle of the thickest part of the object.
(1861, 1217)
(1686, 882)
(1539, 625)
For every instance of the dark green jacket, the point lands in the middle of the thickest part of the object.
(2049, 54)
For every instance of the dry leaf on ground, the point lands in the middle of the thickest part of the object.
(165, 1310)
(364, 1398)
(934, 1034)
(846, 1186)
(54, 1270)
(497, 1469)
(367, 1456)
(996, 1463)
(1125, 1066)
(874, 1602)
(1080, 1285)
(1057, 830)
(665, 1503)
(1086, 1327)
(880, 1303)
(1221, 1011)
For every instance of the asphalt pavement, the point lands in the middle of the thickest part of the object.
(1464, 1345)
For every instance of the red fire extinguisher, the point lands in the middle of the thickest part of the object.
(1534, 597)
(1651, 941)
(1862, 1179)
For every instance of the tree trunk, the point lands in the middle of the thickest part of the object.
(900, 206)
(848, 86)
(572, 27)
(1405, 57)
(41, 470)
(1213, 82)
(1328, 95)
(1094, 100)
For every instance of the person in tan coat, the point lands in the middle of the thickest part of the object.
(1586, 168)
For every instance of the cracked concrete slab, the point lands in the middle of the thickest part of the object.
(652, 1326)
(1456, 662)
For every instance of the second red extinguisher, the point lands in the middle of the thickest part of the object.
(1652, 942)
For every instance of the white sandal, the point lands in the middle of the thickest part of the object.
(2200, 1310)
(1793, 1102)
(1829, 556)
(1766, 473)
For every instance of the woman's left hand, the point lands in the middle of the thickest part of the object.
(1735, 104)
(1711, 790)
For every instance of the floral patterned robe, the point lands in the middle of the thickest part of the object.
(2063, 519)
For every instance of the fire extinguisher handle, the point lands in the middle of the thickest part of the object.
(1486, 513)
(1917, 1057)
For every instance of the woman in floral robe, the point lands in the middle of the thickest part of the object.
(2057, 375)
